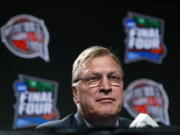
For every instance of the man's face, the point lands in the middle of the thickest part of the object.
(100, 97)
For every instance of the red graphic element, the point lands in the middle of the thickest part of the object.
(141, 104)
(141, 108)
(49, 116)
(143, 84)
(141, 26)
(21, 20)
(34, 36)
(33, 89)
(21, 44)
(153, 101)
(158, 51)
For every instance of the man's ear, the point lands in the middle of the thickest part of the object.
(75, 93)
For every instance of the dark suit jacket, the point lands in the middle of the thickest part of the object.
(76, 121)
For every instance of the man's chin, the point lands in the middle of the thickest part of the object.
(108, 113)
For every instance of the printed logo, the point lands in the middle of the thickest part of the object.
(147, 96)
(36, 101)
(144, 38)
(26, 36)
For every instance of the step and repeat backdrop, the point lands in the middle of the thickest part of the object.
(40, 40)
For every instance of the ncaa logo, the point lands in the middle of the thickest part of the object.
(147, 96)
(26, 36)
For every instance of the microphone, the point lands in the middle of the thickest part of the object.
(143, 120)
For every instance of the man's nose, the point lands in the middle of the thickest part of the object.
(105, 84)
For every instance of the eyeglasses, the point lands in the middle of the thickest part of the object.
(95, 80)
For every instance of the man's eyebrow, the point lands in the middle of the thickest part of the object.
(94, 73)
(98, 73)
(114, 72)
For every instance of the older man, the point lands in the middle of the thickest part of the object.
(97, 87)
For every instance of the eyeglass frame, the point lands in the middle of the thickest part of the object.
(100, 77)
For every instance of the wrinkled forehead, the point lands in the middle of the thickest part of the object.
(96, 64)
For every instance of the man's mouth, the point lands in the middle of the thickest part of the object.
(105, 99)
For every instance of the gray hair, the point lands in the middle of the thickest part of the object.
(90, 53)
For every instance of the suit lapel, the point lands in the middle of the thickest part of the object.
(80, 122)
